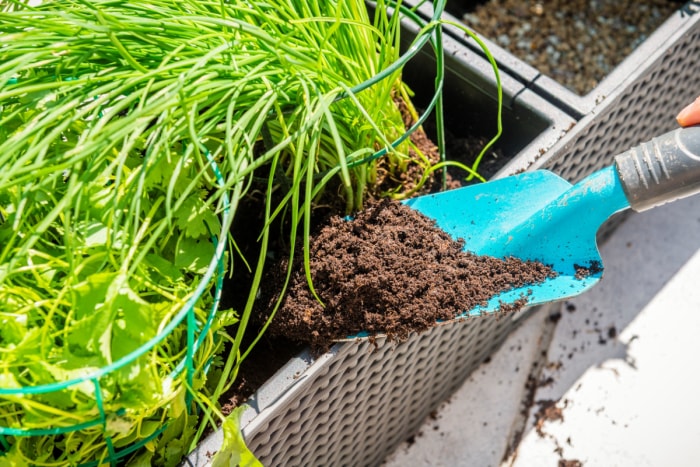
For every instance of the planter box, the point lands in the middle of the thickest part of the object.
(353, 405)
(638, 101)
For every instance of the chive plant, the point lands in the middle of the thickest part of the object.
(130, 132)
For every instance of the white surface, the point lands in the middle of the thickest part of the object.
(472, 427)
(629, 400)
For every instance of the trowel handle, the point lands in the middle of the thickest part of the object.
(661, 170)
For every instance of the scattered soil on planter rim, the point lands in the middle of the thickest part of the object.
(269, 355)
(389, 270)
(575, 42)
(547, 412)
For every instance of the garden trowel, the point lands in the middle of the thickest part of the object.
(540, 216)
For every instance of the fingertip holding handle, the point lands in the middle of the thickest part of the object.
(690, 115)
(662, 170)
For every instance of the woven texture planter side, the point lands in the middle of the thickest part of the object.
(366, 400)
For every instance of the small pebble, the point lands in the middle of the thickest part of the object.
(523, 44)
(504, 40)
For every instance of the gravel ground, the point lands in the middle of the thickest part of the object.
(575, 42)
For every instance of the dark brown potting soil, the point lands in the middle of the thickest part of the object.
(389, 270)
(575, 42)
(406, 180)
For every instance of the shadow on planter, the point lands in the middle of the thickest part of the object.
(356, 403)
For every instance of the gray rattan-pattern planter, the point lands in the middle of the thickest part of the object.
(635, 102)
(353, 405)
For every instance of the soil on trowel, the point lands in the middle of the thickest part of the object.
(388, 270)
(273, 351)
(593, 267)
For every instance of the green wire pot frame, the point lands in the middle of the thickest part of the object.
(195, 332)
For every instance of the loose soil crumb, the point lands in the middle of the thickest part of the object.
(570, 463)
(517, 305)
(389, 270)
(548, 412)
(594, 267)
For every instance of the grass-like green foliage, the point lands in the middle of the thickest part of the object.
(130, 131)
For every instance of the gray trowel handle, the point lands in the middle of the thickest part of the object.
(662, 170)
